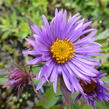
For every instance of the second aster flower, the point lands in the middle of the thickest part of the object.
(95, 90)
(66, 53)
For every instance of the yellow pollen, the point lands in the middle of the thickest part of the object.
(62, 50)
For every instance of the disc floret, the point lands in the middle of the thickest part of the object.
(62, 50)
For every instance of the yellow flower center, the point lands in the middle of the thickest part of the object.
(62, 50)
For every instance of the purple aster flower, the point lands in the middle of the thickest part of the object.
(17, 77)
(63, 49)
(94, 90)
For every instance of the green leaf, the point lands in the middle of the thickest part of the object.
(5, 35)
(35, 69)
(73, 106)
(51, 99)
(3, 80)
(55, 107)
(85, 106)
(14, 19)
(105, 79)
(8, 2)
(101, 105)
(24, 29)
(103, 35)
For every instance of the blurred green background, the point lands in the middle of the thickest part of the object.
(14, 28)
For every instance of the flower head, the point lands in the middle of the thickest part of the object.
(67, 45)
(18, 77)
(94, 90)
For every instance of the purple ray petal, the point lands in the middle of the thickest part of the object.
(34, 53)
(35, 61)
(66, 81)
(40, 83)
(55, 83)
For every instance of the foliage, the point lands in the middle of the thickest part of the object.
(14, 15)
